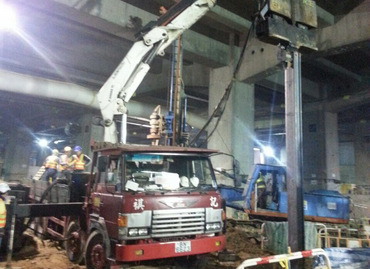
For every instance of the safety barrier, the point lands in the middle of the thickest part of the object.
(322, 234)
(342, 237)
(283, 259)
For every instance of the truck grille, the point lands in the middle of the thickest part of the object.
(178, 222)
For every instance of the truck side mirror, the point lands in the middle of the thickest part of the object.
(102, 163)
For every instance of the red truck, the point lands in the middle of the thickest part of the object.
(143, 203)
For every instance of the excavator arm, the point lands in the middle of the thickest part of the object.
(126, 78)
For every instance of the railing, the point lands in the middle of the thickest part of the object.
(342, 237)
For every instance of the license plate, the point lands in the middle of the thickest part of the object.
(183, 246)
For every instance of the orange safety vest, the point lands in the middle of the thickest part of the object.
(80, 163)
(2, 214)
(51, 162)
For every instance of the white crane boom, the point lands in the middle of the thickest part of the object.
(126, 78)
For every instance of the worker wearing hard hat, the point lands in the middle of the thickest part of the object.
(66, 163)
(51, 166)
(261, 191)
(4, 188)
(80, 160)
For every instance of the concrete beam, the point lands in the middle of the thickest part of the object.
(325, 17)
(116, 20)
(276, 81)
(72, 93)
(229, 19)
(337, 69)
(348, 33)
(226, 18)
(113, 17)
(340, 104)
(63, 10)
(269, 123)
(259, 61)
(348, 101)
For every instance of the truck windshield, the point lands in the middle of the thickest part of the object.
(154, 172)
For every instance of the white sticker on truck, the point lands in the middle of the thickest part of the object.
(331, 206)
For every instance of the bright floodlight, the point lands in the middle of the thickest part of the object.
(7, 17)
(268, 151)
(43, 143)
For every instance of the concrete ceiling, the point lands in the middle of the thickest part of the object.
(82, 42)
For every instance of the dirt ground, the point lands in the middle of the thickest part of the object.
(39, 254)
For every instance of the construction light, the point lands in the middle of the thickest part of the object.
(268, 151)
(43, 143)
(8, 19)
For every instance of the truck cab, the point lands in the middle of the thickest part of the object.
(319, 205)
(152, 202)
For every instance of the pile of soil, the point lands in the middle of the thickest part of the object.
(46, 254)
(39, 254)
(246, 245)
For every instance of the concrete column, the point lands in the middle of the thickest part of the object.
(221, 138)
(89, 132)
(332, 146)
(243, 126)
(235, 132)
(347, 162)
(362, 154)
(313, 150)
(320, 149)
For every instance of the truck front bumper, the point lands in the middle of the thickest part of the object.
(152, 251)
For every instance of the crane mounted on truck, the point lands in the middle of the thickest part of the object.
(124, 81)
(141, 202)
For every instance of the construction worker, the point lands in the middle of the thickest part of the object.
(51, 166)
(4, 188)
(261, 192)
(66, 163)
(80, 161)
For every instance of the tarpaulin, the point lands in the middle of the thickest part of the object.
(345, 258)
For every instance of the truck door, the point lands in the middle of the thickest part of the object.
(108, 197)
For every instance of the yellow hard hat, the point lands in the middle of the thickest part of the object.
(67, 148)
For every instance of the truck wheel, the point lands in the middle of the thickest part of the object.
(95, 257)
(75, 243)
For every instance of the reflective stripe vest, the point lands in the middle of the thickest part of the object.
(51, 162)
(260, 182)
(2, 214)
(80, 163)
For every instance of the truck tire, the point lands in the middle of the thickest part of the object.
(95, 257)
(75, 242)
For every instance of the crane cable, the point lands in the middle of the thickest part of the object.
(220, 108)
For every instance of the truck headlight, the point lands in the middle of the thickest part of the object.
(213, 226)
(137, 232)
(122, 232)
